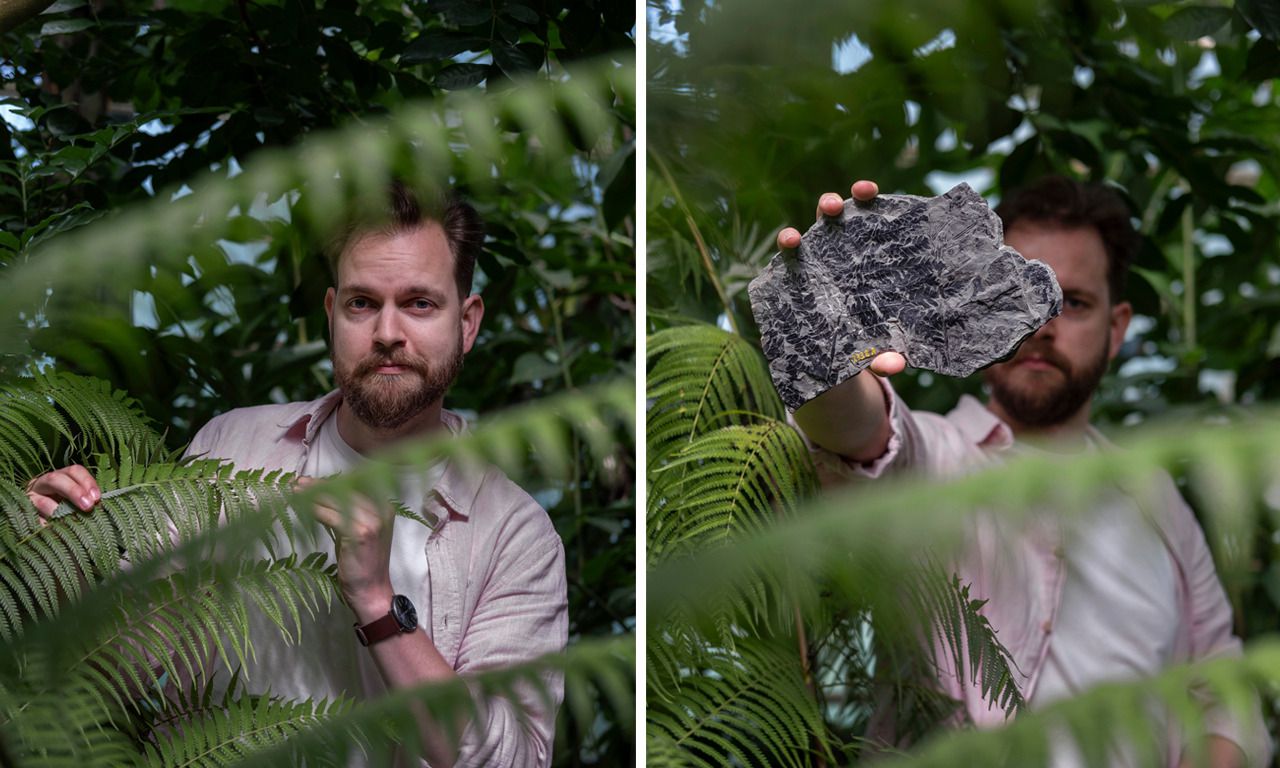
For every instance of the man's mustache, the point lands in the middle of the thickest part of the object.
(1047, 354)
(371, 364)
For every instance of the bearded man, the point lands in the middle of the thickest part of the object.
(1122, 595)
(483, 584)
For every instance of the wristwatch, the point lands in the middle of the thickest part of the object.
(402, 617)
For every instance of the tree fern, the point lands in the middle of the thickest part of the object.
(157, 583)
(726, 467)
(861, 540)
(729, 481)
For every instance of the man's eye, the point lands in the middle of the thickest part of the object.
(421, 304)
(358, 303)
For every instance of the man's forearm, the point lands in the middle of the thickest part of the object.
(409, 659)
(851, 419)
(1220, 752)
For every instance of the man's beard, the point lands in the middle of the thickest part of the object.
(1049, 403)
(388, 401)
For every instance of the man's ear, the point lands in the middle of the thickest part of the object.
(1121, 314)
(329, 297)
(472, 314)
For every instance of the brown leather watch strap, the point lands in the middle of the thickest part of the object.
(378, 630)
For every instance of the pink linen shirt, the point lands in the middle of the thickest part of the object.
(493, 591)
(1022, 575)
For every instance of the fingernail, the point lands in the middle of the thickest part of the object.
(85, 502)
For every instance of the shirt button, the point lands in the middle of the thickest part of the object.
(1047, 627)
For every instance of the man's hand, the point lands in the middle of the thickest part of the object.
(363, 540)
(404, 660)
(73, 485)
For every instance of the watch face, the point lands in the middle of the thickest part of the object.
(406, 615)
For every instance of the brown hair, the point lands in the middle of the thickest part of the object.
(463, 229)
(1058, 200)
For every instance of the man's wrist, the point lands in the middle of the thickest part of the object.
(372, 604)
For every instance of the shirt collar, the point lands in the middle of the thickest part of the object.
(458, 485)
(979, 425)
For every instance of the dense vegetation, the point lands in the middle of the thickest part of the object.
(754, 109)
(169, 173)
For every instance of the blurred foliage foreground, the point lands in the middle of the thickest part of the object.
(779, 626)
(179, 301)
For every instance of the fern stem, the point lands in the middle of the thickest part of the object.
(697, 239)
(806, 671)
(1188, 279)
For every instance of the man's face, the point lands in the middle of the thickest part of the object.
(398, 326)
(1052, 378)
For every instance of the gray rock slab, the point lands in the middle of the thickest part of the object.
(928, 277)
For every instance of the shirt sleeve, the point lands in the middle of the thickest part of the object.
(522, 615)
(917, 441)
(1211, 636)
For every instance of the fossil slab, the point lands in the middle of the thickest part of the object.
(928, 277)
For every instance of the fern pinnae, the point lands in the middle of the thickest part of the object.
(223, 734)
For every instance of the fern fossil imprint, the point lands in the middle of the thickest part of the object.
(924, 276)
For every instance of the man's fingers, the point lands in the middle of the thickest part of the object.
(45, 506)
(864, 190)
(829, 204)
(61, 485)
(328, 515)
(87, 484)
(888, 364)
(788, 238)
(302, 482)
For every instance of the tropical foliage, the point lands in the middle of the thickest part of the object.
(168, 178)
(756, 108)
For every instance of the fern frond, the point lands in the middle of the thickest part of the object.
(602, 416)
(58, 419)
(747, 707)
(167, 632)
(230, 732)
(1103, 716)
(701, 378)
(67, 727)
(726, 482)
(604, 665)
(893, 520)
(144, 509)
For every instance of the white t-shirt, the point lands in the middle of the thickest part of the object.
(330, 455)
(1118, 617)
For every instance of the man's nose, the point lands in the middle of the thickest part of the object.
(1047, 331)
(387, 332)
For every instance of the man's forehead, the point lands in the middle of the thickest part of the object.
(1077, 255)
(424, 247)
